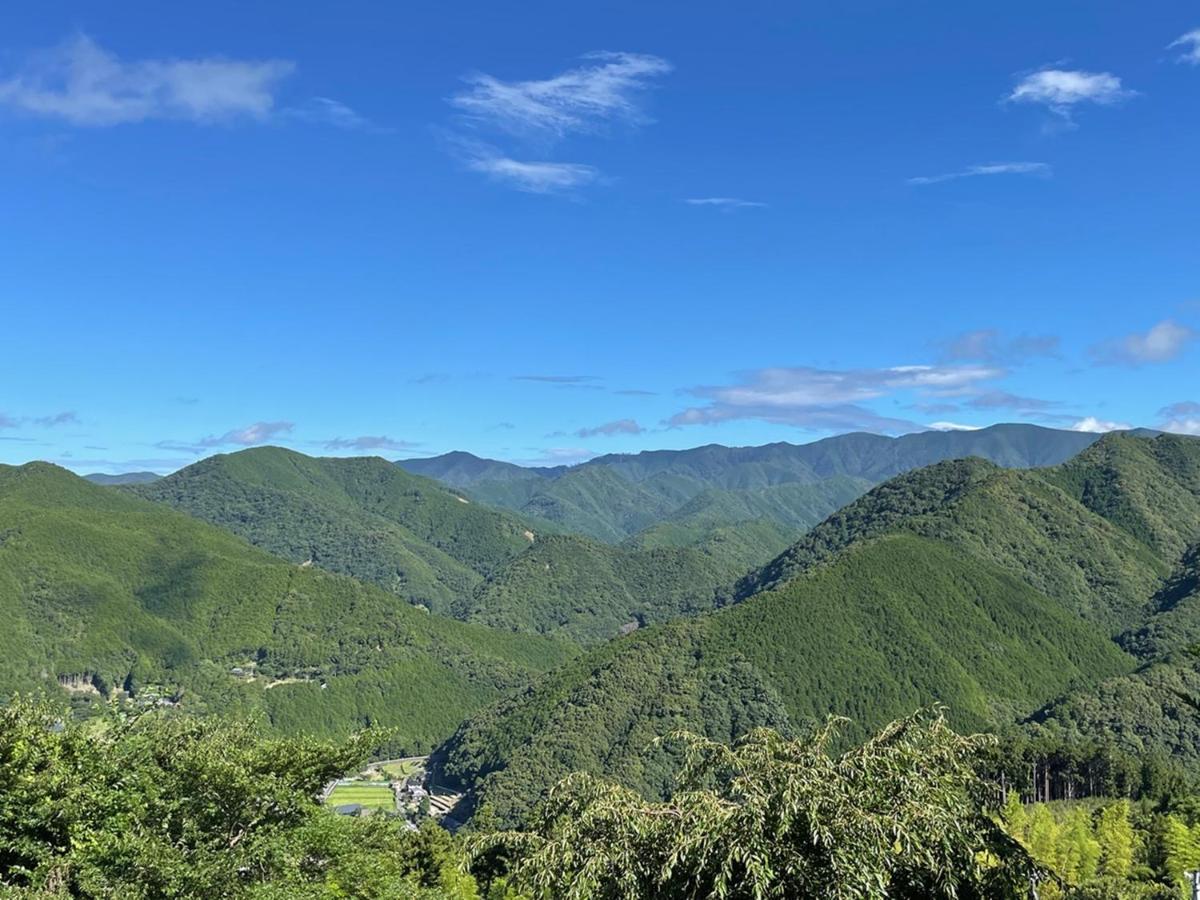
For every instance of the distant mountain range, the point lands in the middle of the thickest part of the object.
(126, 478)
(614, 497)
(988, 589)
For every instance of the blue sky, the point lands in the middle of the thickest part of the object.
(541, 231)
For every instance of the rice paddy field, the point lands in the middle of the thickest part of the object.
(375, 796)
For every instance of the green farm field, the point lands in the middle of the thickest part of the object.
(376, 796)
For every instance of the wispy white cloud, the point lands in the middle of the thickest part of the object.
(1060, 90)
(1190, 45)
(1099, 426)
(258, 433)
(608, 429)
(83, 84)
(1181, 418)
(724, 203)
(829, 399)
(369, 442)
(606, 87)
(1040, 169)
(534, 177)
(1162, 343)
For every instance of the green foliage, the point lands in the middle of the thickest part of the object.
(363, 517)
(170, 806)
(97, 586)
(903, 815)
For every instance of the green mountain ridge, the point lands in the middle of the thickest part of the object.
(358, 516)
(994, 591)
(100, 589)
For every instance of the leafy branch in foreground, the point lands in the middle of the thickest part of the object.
(903, 816)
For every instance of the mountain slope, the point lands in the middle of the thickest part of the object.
(896, 623)
(991, 590)
(99, 588)
(588, 591)
(613, 497)
(361, 516)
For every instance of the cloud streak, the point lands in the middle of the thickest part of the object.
(1039, 169)
(725, 203)
(83, 84)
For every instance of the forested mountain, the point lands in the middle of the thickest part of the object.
(991, 590)
(795, 486)
(359, 516)
(587, 590)
(101, 590)
(367, 518)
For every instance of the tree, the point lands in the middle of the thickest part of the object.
(166, 805)
(1114, 832)
(903, 815)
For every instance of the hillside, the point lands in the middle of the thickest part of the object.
(613, 497)
(586, 590)
(361, 516)
(366, 518)
(991, 590)
(101, 589)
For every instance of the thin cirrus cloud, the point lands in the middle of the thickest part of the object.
(814, 398)
(326, 111)
(1162, 343)
(609, 429)
(533, 177)
(1061, 90)
(1189, 44)
(1039, 169)
(724, 203)
(606, 88)
(369, 442)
